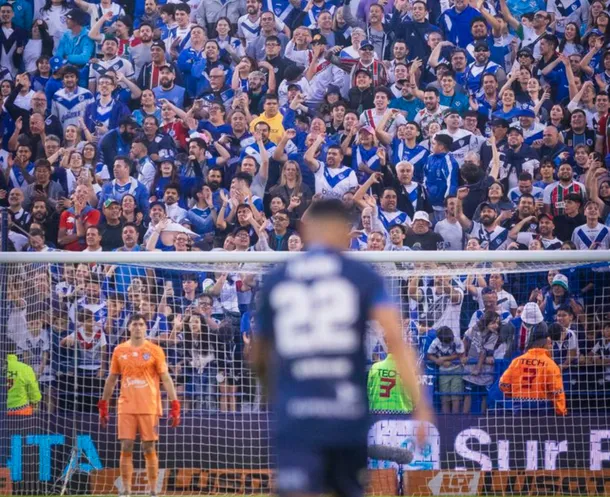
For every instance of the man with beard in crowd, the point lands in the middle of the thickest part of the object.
(518, 158)
(490, 235)
(44, 217)
(544, 233)
(168, 89)
(117, 142)
(525, 208)
(139, 49)
(555, 194)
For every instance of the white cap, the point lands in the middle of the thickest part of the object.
(531, 314)
(422, 216)
(561, 280)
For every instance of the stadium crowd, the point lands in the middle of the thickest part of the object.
(214, 124)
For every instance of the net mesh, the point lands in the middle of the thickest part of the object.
(65, 319)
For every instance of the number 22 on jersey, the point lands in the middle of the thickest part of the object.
(319, 318)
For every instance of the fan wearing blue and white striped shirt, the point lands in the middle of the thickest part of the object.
(592, 235)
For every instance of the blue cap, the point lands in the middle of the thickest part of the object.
(56, 63)
(367, 43)
(596, 32)
(527, 111)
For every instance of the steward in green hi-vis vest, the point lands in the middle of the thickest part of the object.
(385, 390)
(23, 392)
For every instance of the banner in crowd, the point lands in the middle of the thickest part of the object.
(206, 453)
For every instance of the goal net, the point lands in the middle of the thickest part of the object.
(468, 315)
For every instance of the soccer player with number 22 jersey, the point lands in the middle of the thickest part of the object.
(309, 354)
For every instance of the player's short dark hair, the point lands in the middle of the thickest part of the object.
(329, 209)
(135, 317)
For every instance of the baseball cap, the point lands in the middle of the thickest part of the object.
(294, 86)
(499, 121)
(368, 129)
(109, 202)
(167, 67)
(527, 111)
(561, 280)
(159, 203)
(595, 32)
(525, 51)
(483, 205)
(516, 129)
(547, 215)
(481, 45)
(158, 44)
(77, 15)
(451, 111)
(366, 43)
(421, 216)
(56, 63)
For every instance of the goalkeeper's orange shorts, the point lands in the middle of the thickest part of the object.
(147, 425)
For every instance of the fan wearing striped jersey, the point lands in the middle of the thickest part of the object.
(463, 141)
(592, 235)
(555, 194)
(333, 179)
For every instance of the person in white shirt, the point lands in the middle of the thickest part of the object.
(110, 62)
(463, 140)
(171, 195)
(249, 25)
(375, 116)
(332, 179)
(592, 235)
(449, 228)
(179, 37)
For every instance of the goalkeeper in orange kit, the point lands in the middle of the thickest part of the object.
(533, 380)
(142, 366)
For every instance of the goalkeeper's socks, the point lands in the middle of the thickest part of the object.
(152, 469)
(126, 465)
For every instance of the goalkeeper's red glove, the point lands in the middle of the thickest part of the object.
(174, 413)
(102, 407)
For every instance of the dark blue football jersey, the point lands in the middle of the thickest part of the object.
(314, 310)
